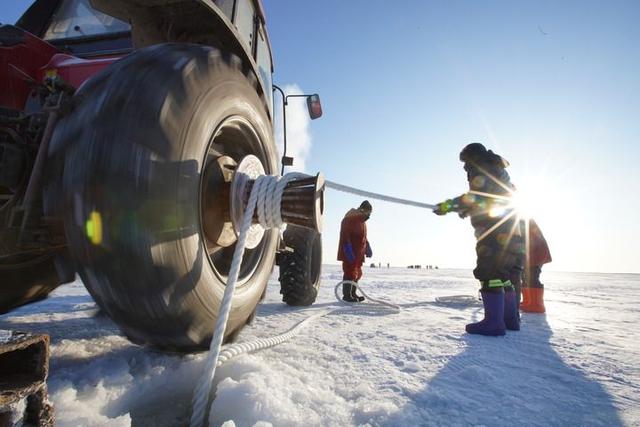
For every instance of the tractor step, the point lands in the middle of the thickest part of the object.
(24, 365)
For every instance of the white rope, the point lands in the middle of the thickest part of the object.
(265, 198)
(352, 190)
(237, 349)
(266, 195)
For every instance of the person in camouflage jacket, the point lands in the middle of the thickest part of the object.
(499, 243)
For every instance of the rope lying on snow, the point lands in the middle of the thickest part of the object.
(237, 349)
(266, 197)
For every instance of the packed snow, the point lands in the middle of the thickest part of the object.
(577, 365)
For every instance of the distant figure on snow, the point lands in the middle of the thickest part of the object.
(353, 247)
(499, 246)
(538, 254)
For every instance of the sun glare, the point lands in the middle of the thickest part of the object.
(525, 204)
(535, 198)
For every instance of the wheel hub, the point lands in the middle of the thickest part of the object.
(216, 219)
(227, 187)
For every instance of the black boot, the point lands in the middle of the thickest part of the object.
(349, 293)
(357, 297)
(346, 292)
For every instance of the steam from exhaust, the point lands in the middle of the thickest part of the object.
(298, 134)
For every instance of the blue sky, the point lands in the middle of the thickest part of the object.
(554, 87)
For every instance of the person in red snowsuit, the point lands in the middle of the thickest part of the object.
(353, 247)
(538, 254)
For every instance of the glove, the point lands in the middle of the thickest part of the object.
(348, 253)
(443, 208)
(368, 252)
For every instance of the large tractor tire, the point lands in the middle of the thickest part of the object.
(136, 148)
(300, 266)
(27, 280)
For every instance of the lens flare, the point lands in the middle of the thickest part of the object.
(93, 228)
(524, 204)
(532, 199)
(497, 211)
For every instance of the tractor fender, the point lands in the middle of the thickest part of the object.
(21, 56)
(185, 21)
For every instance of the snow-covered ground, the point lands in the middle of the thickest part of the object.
(578, 365)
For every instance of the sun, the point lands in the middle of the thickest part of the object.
(537, 198)
(526, 203)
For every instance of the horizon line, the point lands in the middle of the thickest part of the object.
(471, 268)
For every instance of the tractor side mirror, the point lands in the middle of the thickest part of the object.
(314, 106)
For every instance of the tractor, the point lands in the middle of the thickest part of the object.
(125, 126)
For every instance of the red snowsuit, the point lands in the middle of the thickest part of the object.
(538, 254)
(353, 230)
(538, 249)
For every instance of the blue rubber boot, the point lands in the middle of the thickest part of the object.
(511, 311)
(493, 322)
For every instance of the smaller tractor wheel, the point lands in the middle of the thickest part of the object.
(300, 268)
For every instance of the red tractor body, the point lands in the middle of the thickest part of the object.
(26, 60)
(22, 57)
